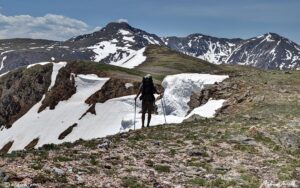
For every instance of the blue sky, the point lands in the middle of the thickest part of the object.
(61, 19)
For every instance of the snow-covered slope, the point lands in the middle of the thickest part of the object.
(116, 43)
(269, 51)
(178, 89)
(123, 45)
(110, 117)
(211, 49)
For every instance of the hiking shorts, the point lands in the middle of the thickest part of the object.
(147, 106)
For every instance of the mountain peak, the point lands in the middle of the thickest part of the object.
(270, 36)
(118, 25)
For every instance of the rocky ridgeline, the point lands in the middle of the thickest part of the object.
(118, 43)
(253, 142)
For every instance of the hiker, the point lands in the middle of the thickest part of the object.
(148, 90)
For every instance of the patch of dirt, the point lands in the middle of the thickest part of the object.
(32, 144)
(6, 147)
(67, 132)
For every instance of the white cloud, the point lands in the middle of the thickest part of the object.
(122, 20)
(97, 28)
(50, 26)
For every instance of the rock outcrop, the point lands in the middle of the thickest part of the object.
(20, 90)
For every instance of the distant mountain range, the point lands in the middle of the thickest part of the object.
(268, 51)
(123, 45)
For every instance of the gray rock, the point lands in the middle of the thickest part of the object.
(156, 143)
(242, 140)
(57, 171)
(79, 179)
(259, 98)
(105, 144)
(290, 140)
(3, 176)
(193, 118)
(198, 152)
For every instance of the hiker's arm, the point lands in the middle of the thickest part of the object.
(137, 95)
(159, 92)
(155, 91)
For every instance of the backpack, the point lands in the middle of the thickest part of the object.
(147, 89)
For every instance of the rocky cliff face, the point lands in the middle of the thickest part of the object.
(20, 90)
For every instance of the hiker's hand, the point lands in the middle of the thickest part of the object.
(160, 96)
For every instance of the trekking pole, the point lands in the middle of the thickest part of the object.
(163, 108)
(134, 114)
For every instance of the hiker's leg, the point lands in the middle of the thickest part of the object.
(143, 113)
(149, 118)
(143, 119)
(150, 108)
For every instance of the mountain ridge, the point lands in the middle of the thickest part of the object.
(123, 45)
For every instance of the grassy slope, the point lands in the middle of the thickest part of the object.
(163, 61)
(242, 147)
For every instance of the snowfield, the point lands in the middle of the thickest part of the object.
(122, 56)
(113, 116)
(178, 89)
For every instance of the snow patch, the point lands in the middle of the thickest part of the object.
(179, 88)
(4, 73)
(55, 70)
(134, 59)
(124, 32)
(151, 40)
(121, 56)
(130, 39)
(288, 55)
(40, 63)
(103, 49)
(128, 85)
(269, 38)
(5, 52)
(209, 109)
(2, 62)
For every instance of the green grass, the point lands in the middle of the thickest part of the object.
(62, 159)
(198, 181)
(250, 180)
(204, 165)
(37, 166)
(220, 183)
(163, 61)
(132, 182)
(162, 168)
(246, 148)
